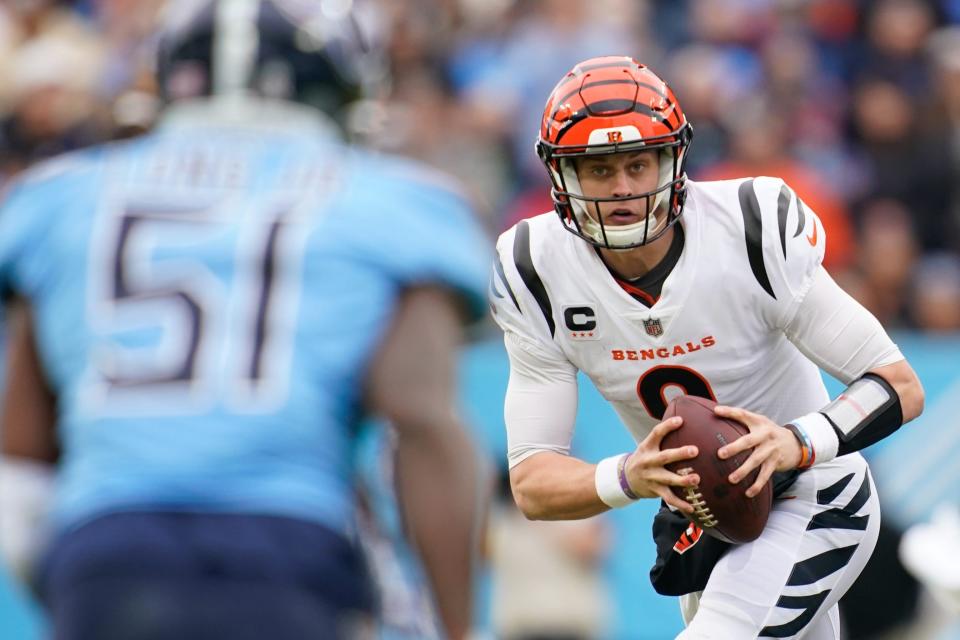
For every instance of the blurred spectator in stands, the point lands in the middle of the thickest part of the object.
(895, 37)
(547, 575)
(888, 250)
(421, 33)
(792, 79)
(734, 29)
(951, 10)
(52, 109)
(832, 26)
(699, 73)
(935, 293)
(907, 157)
(125, 84)
(547, 39)
(759, 146)
(737, 24)
(945, 56)
(670, 22)
(480, 40)
(424, 121)
(811, 100)
(24, 21)
(126, 30)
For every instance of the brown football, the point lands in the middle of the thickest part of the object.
(723, 510)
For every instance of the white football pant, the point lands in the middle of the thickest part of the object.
(787, 582)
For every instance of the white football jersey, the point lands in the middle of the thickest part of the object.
(751, 250)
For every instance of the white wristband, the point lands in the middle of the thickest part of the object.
(823, 438)
(607, 481)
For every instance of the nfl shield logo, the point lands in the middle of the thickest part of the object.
(653, 327)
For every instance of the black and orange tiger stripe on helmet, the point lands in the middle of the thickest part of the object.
(612, 105)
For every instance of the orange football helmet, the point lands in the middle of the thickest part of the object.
(613, 105)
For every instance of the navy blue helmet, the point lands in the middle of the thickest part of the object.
(308, 51)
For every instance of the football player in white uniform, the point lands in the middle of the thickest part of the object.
(653, 285)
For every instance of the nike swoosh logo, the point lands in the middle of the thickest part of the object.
(813, 239)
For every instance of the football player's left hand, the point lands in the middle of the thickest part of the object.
(774, 447)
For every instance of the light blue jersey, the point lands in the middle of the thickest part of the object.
(207, 303)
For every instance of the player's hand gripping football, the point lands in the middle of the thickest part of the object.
(646, 470)
(774, 447)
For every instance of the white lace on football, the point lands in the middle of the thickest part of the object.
(694, 497)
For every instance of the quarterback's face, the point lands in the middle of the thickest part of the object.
(620, 175)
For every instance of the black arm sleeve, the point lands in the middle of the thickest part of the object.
(867, 412)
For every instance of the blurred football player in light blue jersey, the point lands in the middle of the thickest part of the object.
(213, 309)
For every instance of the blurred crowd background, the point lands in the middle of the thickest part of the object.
(856, 103)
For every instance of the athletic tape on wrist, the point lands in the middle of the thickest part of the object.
(607, 482)
(823, 439)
